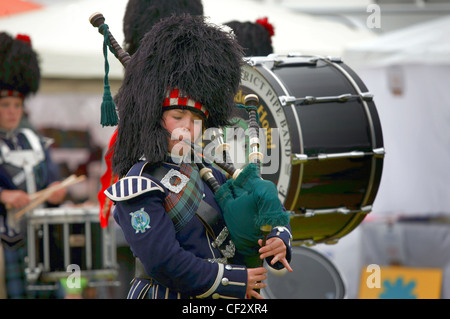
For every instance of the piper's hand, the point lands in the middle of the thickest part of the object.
(14, 199)
(255, 276)
(274, 247)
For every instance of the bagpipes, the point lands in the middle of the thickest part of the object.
(250, 205)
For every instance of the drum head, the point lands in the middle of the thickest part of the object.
(314, 277)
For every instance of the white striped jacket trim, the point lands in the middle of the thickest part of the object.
(130, 187)
(133, 290)
(216, 283)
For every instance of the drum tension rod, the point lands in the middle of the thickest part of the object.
(303, 158)
(273, 61)
(338, 210)
(307, 100)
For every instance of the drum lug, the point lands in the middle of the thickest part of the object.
(367, 96)
(379, 152)
(309, 242)
(336, 59)
(297, 159)
(268, 61)
(33, 274)
(285, 99)
(332, 242)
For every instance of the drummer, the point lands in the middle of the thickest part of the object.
(182, 78)
(254, 37)
(25, 165)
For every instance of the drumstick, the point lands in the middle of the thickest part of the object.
(71, 180)
(50, 189)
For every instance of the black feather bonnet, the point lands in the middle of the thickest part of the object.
(180, 52)
(19, 67)
(253, 37)
(141, 15)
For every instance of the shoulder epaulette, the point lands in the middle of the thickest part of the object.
(130, 187)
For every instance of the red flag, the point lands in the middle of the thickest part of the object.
(107, 180)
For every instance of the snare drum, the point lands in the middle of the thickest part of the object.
(314, 277)
(323, 147)
(61, 240)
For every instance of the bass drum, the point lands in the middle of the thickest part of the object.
(323, 144)
(314, 277)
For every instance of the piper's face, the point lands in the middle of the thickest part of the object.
(183, 124)
(11, 111)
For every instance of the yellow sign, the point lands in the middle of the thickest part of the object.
(394, 282)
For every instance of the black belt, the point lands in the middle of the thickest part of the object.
(139, 271)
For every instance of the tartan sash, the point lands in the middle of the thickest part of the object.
(182, 206)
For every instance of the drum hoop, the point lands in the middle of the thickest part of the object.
(372, 131)
(64, 217)
(60, 215)
(316, 255)
(336, 275)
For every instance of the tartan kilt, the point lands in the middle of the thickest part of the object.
(15, 277)
(14, 264)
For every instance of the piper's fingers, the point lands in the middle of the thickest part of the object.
(261, 277)
(258, 285)
(256, 274)
(255, 294)
(286, 264)
(273, 243)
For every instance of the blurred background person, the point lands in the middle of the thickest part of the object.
(141, 15)
(254, 37)
(25, 163)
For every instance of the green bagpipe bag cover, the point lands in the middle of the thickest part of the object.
(247, 203)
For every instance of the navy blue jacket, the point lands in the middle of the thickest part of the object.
(183, 261)
(13, 177)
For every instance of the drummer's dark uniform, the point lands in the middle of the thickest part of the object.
(181, 261)
(13, 177)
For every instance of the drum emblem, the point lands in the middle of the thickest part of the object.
(140, 220)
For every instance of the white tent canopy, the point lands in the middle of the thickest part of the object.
(408, 71)
(425, 43)
(70, 47)
(294, 32)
